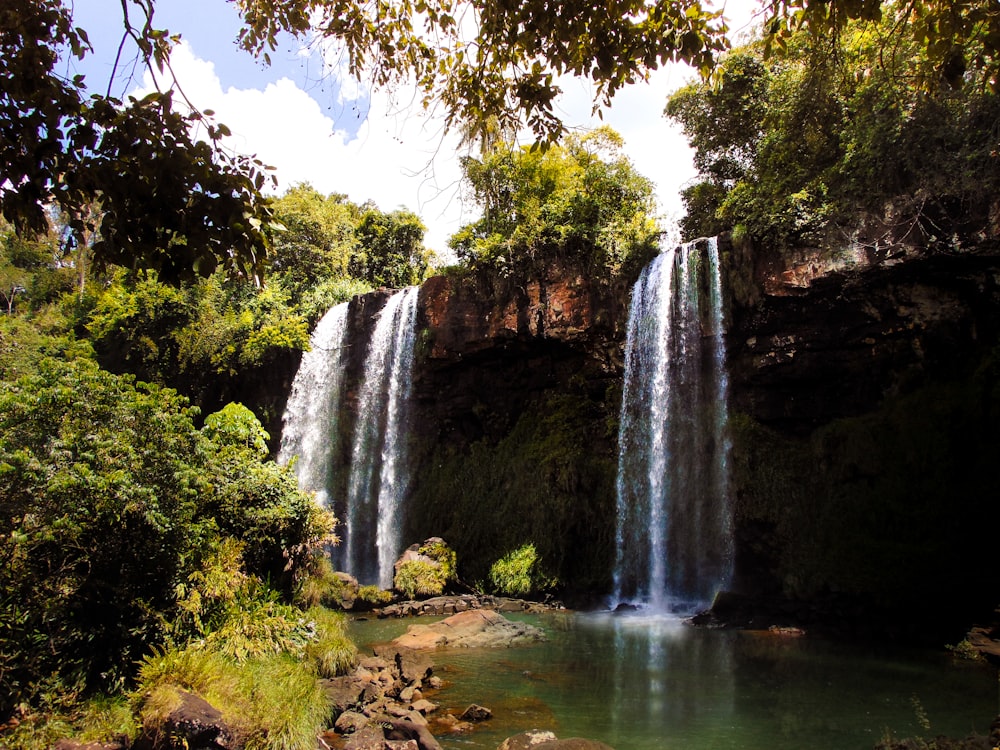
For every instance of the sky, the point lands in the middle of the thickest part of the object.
(314, 125)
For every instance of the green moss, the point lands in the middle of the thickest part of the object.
(549, 482)
(893, 507)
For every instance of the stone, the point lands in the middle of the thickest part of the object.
(526, 740)
(472, 629)
(545, 740)
(346, 593)
(476, 713)
(413, 666)
(350, 722)
(194, 724)
(402, 729)
(401, 745)
(76, 745)
(424, 706)
(368, 738)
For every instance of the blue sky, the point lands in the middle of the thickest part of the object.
(313, 125)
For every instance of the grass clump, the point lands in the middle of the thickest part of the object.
(269, 703)
(374, 596)
(519, 573)
(419, 578)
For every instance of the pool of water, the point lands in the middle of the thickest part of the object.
(639, 683)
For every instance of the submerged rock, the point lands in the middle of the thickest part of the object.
(544, 740)
(473, 629)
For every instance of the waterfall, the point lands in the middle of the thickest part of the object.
(673, 517)
(310, 422)
(377, 481)
(368, 489)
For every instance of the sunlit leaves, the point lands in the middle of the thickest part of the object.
(132, 174)
(501, 60)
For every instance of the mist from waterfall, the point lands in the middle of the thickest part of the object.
(673, 533)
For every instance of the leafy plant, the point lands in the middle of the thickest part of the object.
(519, 573)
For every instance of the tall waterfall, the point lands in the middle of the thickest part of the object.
(311, 415)
(367, 489)
(377, 480)
(673, 521)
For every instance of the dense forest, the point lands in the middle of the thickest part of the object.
(151, 289)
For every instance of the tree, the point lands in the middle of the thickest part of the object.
(390, 249)
(839, 137)
(164, 199)
(582, 200)
(186, 207)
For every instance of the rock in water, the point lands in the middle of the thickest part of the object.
(472, 629)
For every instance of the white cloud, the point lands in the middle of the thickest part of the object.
(398, 157)
(401, 157)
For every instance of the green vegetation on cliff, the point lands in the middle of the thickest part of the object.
(581, 201)
(542, 484)
(887, 511)
(837, 135)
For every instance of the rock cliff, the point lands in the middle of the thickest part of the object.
(865, 408)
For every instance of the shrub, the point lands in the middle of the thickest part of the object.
(518, 573)
(419, 578)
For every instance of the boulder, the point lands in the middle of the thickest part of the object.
(537, 739)
(351, 722)
(193, 724)
(476, 713)
(526, 740)
(403, 729)
(414, 666)
(343, 692)
(368, 738)
(346, 593)
(471, 629)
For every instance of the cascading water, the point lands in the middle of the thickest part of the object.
(311, 416)
(377, 482)
(374, 480)
(673, 524)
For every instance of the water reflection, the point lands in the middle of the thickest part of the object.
(640, 682)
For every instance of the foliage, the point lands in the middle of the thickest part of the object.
(374, 595)
(581, 200)
(419, 578)
(31, 271)
(807, 145)
(270, 703)
(83, 452)
(506, 67)
(391, 251)
(164, 199)
(100, 719)
(331, 651)
(518, 573)
(112, 500)
(954, 37)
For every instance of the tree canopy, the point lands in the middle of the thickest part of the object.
(832, 135)
(137, 183)
(582, 200)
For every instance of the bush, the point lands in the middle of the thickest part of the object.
(273, 703)
(518, 573)
(419, 578)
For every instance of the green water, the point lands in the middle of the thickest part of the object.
(641, 683)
